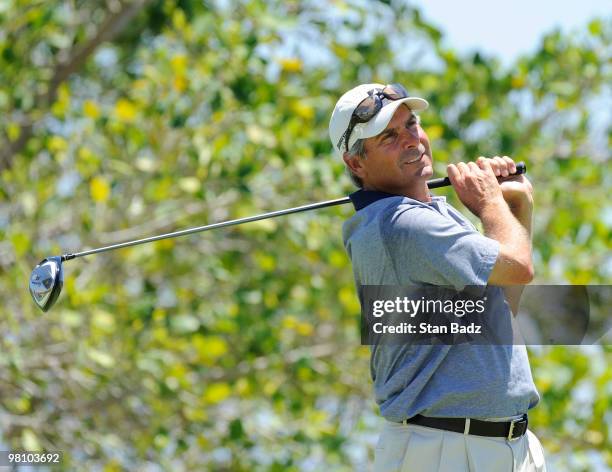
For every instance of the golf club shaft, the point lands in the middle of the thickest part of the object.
(435, 183)
(199, 229)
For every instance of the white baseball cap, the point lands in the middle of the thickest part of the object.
(341, 116)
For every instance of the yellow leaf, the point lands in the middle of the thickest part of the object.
(243, 387)
(291, 64)
(161, 188)
(338, 259)
(233, 309)
(100, 189)
(180, 83)
(125, 110)
(13, 131)
(86, 154)
(217, 392)
(165, 244)
(434, 131)
(159, 314)
(270, 387)
(113, 466)
(160, 441)
(178, 19)
(21, 243)
(518, 81)
(305, 329)
(22, 404)
(318, 416)
(594, 437)
(561, 103)
(209, 348)
(179, 64)
(160, 334)
(139, 84)
(265, 261)
(57, 144)
(216, 346)
(62, 103)
(177, 370)
(137, 325)
(348, 299)
(90, 109)
(289, 322)
(304, 110)
(340, 51)
(270, 300)
(596, 27)
(195, 414)
(203, 442)
(304, 373)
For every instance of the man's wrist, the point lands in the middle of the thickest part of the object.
(521, 206)
(493, 208)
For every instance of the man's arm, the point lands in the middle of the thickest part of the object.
(505, 211)
(518, 194)
(522, 211)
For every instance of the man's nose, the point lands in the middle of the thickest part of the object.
(410, 136)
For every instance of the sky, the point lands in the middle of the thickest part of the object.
(507, 28)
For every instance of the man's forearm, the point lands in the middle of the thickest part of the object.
(523, 213)
(514, 261)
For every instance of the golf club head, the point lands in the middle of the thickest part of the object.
(46, 282)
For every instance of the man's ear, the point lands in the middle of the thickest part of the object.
(355, 164)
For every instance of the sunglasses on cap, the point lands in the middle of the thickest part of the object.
(370, 106)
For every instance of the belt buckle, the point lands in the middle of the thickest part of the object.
(512, 423)
(510, 438)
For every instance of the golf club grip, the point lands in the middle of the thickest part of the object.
(521, 168)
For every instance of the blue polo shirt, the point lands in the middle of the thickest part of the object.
(396, 240)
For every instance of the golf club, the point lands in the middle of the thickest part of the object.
(47, 278)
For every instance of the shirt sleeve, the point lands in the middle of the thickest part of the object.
(427, 247)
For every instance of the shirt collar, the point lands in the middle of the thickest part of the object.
(362, 198)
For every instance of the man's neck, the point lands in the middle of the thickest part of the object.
(420, 192)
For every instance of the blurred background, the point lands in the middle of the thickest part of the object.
(238, 350)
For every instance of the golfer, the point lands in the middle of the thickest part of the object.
(448, 408)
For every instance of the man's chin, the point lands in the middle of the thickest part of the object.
(425, 166)
(427, 169)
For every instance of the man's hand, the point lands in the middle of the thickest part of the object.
(476, 184)
(516, 190)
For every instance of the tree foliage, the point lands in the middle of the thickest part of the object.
(239, 349)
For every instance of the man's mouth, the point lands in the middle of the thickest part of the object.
(413, 155)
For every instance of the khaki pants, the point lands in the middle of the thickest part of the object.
(408, 448)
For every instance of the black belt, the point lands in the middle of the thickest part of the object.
(503, 429)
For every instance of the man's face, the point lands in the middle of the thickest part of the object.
(399, 158)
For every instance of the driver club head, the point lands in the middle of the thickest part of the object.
(46, 282)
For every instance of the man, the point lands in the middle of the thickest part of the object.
(448, 407)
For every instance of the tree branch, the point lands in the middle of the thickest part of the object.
(108, 30)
